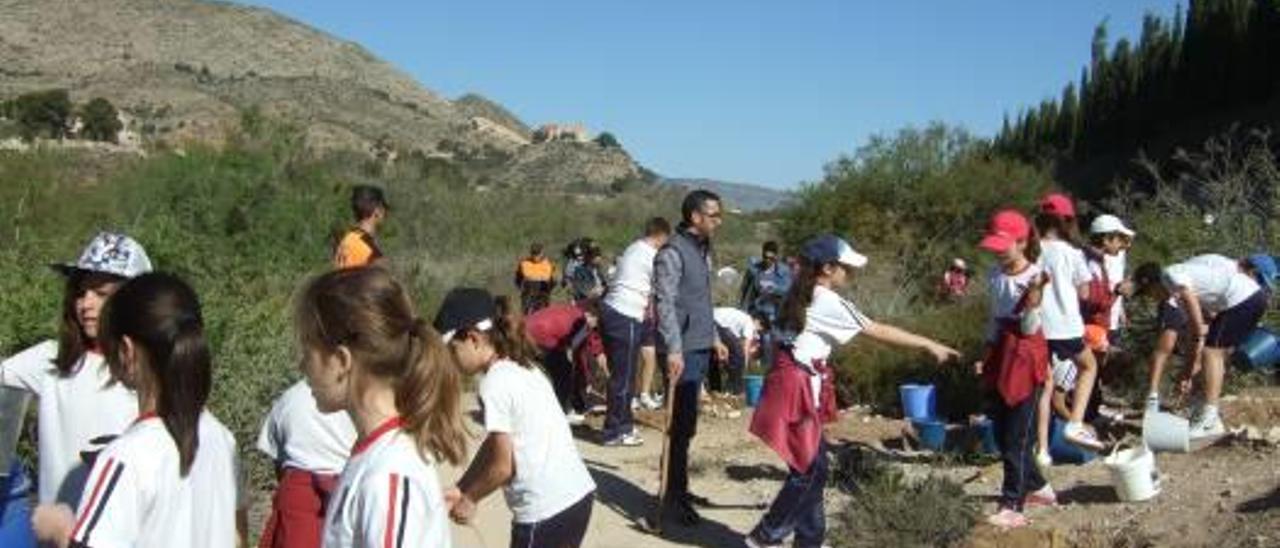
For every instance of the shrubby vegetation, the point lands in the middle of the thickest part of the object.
(247, 224)
(50, 114)
(911, 202)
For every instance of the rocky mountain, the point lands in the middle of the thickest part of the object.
(742, 196)
(185, 70)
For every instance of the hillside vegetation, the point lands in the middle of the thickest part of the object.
(246, 224)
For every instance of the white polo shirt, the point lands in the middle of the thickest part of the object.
(550, 475)
(1060, 308)
(1216, 280)
(297, 435)
(632, 285)
(136, 496)
(830, 321)
(73, 410)
(388, 496)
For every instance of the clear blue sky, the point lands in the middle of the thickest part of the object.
(749, 90)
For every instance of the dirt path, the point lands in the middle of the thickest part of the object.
(1225, 495)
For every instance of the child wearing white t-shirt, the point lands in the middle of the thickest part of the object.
(1069, 277)
(366, 352)
(309, 449)
(79, 403)
(172, 478)
(799, 392)
(1016, 363)
(528, 450)
(1204, 287)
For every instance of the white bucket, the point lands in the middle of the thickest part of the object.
(1134, 474)
(1166, 432)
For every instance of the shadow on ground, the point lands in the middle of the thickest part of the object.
(638, 507)
(1264, 503)
(1088, 494)
(741, 472)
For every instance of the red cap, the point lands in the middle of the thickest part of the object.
(1058, 205)
(1007, 228)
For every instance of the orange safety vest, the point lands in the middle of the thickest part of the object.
(537, 271)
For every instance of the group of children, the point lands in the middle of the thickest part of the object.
(129, 454)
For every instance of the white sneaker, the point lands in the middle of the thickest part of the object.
(1207, 427)
(1076, 433)
(626, 440)
(635, 404)
(753, 543)
(650, 402)
(1153, 403)
(575, 418)
(658, 398)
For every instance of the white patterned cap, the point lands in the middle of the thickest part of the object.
(110, 253)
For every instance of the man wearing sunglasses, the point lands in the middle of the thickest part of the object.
(687, 331)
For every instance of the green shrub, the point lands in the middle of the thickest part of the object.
(101, 121)
(887, 510)
(43, 113)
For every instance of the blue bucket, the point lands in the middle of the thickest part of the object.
(1261, 349)
(1063, 451)
(987, 436)
(15, 511)
(932, 433)
(755, 385)
(919, 401)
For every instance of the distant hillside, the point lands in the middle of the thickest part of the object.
(743, 196)
(184, 70)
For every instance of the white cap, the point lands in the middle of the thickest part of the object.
(110, 253)
(1108, 224)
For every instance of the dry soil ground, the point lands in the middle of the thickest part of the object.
(1222, 495)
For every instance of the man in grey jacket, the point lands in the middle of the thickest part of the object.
(682, 290)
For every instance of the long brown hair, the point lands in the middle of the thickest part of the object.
(799, 297)
(161, 314)
(508, 335)
(367, 311)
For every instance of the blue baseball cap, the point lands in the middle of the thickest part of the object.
(1265, 268)
(829, 248)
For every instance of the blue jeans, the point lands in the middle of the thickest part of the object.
(684, 421)
(621, 336)
(798, 507)
(1015, 434)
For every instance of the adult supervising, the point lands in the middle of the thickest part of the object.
(682, 290)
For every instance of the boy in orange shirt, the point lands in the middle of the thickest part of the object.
(358, 246)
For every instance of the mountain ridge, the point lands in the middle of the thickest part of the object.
(185, 70)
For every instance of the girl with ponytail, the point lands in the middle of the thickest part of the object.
(799, 392)
(171, 479)
(528, 450)
(366, 352)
